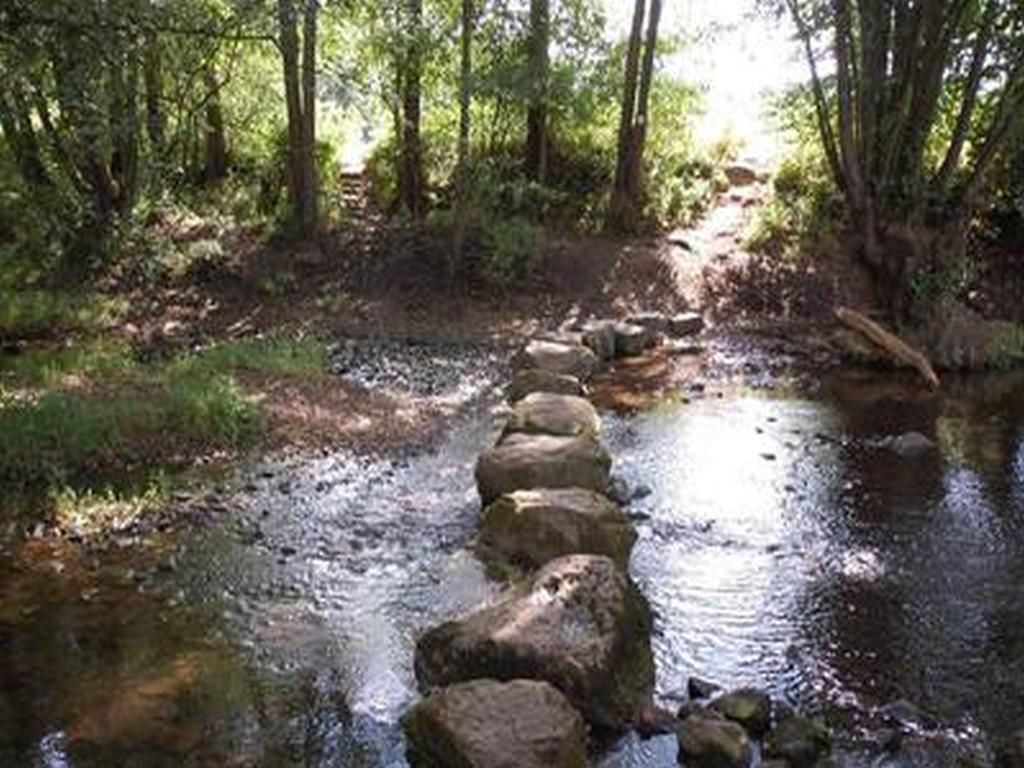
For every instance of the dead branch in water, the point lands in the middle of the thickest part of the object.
(889, 342)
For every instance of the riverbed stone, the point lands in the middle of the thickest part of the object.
(911, 445)
(740, 175)
(545, 413)
(492, 724)
(699, 688)
(1010, 753)
(748, 707)
(599, 336)
(530, 380)
(800, 741)
(707, 740)
(580, 624)
(631, 340)
(522, 462)
(685, 324)
(532, 527)
(655, 322)
(568, 359)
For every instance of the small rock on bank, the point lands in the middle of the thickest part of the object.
(490, 724)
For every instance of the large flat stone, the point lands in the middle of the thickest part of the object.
(524, 462)
(579, 624)
(533, 527)
(557, 357)
(491, 724)
(545, 413)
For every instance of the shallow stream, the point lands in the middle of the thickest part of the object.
(782, 544)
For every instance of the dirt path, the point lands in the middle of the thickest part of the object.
(704, 257)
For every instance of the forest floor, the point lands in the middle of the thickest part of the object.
(238, 352)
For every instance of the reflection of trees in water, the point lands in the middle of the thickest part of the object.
(942, 624)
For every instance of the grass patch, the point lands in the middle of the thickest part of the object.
(28, 313)
(123, 414)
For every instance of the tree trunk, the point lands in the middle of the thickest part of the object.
(16, 123)
(462, 163)
(309, 209)
(622, 208)
(215, 165)
(300, 102)
(537, 112)
(411, 166)
(152, 75)
(634, 165)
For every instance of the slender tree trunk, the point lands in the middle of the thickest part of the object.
(215, 165)
(634, 167)
(16, 123)
(152, 75)
(411, 166)
(625, 203)
(309, 208)
(537, 113)
(300, 101)
(462, 164)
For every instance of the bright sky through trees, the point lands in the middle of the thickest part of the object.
(736, 57)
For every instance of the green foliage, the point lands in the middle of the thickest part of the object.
(98, 408)
(33, 312)
(804, 204)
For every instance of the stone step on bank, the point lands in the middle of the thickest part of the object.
(570, 640)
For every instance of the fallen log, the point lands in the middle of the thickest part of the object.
(888, 342)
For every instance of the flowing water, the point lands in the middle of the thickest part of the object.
(782, 544)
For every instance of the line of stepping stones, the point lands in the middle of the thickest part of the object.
(565, 651)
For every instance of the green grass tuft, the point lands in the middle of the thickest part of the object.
(123, 413)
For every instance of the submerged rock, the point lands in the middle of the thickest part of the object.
(557, 357)
(747, 707)
(907, 716)
(523, 462)
(910, 445)
(698, 688)
(534, 526)
(579, 623)
(798, 740)
(631, 340)
(490, 724)
(1011, 753)
(655, 322)
(550, 414)
(599, 336)
(686, 324)
(529, 380)
(710, 741)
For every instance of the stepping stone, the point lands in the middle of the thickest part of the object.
(490, 724)
(579, 624)
(545, 413)
(557, 357)
(533, 527)
(686, 324)
(631, 340)
(524, 462)
(530, 380)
